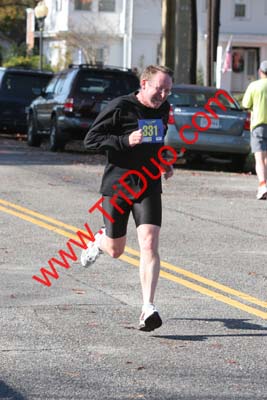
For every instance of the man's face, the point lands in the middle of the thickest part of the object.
(156, 90)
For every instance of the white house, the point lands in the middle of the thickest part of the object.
(246, 22)
(125, 33)
(128, 33)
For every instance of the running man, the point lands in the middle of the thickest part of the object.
(255, 99)
(131, 130)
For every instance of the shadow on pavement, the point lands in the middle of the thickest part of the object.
(228, 323)
(6, 392)
(15, 151)
(215, 164)
(201, 338)
(238, 324)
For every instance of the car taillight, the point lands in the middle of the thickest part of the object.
(68, 105)
(247, 122)
(171, 120)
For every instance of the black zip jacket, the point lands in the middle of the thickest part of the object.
(110, 132)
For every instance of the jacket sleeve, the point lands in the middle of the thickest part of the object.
(105, 132)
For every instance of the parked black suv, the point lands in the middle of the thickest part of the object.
(72, 100)
(18, 88)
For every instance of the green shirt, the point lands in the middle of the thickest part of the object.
(255, 99)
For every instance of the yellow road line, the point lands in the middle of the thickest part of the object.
(135, 262)
(203, 290)
(206, 281)
(52, 220)
(38, 215)
(37, 222)
(215, 284)
(166, 265)
(215, 295)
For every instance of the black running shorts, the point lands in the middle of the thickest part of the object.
(147, 210)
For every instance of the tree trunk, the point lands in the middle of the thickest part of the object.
(213, 26)
(179, 39)
(168, 33)
(209, 45)
(193, 44)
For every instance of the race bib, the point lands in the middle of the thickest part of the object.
(153, 131)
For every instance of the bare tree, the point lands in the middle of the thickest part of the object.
(88, 42)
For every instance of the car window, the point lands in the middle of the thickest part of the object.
(180, 99)
(28, 86)
(51, 85)
(2, 73)
(60, 83)
(188, 99)
(106, 83)
(91, 85)
(68, 79)
(223, 99)
(198, 99)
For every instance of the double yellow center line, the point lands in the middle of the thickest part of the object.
(178, 275)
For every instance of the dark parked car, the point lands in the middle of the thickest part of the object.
(73, 99)
(208, 121)
(18, 88)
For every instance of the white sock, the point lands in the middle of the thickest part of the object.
(147, 306)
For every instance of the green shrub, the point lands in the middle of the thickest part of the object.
(26, 62)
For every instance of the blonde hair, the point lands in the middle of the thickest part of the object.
(151, 70)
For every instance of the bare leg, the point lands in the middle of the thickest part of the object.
(148, 238)
(113, 247)
(261, 165)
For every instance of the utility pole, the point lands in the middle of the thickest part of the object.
(213, 25)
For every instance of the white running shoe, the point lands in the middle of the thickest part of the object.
(262, 193)
(93, 251)
(149, 319)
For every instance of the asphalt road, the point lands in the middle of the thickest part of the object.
(78, 338)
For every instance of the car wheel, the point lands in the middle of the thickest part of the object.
(56, 142)
(239, 162)
(33, 139)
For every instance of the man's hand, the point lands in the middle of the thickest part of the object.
(168, 171)
(135, 138)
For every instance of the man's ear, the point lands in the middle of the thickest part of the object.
(143, 83)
